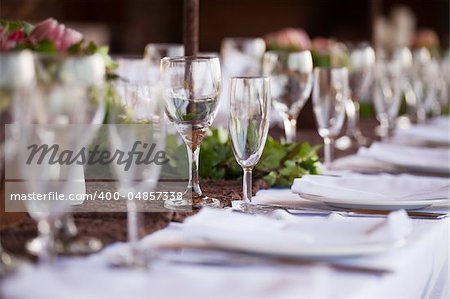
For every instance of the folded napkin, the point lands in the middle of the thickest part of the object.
(394, 157)
(441, 121)
(408, 156)
(282, 233)
(383, 187)
(423, 135)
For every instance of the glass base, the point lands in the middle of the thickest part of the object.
(79, 246)
(353, 141)
(10, 263)
(187, 204)
(131, 259)
(248, 207)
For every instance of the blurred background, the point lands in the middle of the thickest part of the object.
(128, 25)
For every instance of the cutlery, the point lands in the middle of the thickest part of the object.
(412, 214)
(214, 257)
(350, 213)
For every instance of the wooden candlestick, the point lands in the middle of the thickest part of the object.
(191, 8)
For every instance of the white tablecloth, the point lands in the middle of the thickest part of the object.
(420, 270)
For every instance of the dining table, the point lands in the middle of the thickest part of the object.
(419, 268)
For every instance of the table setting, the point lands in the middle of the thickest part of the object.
(124, 176)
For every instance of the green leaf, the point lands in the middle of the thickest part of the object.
(272, 155)
(366, 110)
(279, 164)
(11, 26)
(76, 48)
(45, 46)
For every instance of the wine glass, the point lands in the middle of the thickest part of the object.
(153, 54)
(421, 58)
(136, 124)
(432, 82)
(248, 123)
(362, 60)
(16, 86)
(387, 95)
(242, 55)
(67, 108)
(291, 75)
(444, 81)
(402, 57)
(191, 89)
(330, 93)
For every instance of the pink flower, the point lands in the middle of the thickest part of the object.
(69, 38)
(288, 39)
(323, 45)
(426, 38)
(8, 42)
(51, 30)
(17, 36)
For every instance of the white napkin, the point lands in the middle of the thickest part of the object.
(282, 232)
(373, 187)
(441, 121)
(394, 157)
(422, 135)
(408, 156)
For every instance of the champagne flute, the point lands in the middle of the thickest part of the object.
(136, 123)
(16, 86)
(330, 93)
(191, 89)
(387, 95)
(291, 82)
(362, 59)
(248, 123)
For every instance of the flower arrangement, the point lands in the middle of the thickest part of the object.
(49, 37)
(289, 39)
(427, 38)
(325, 51)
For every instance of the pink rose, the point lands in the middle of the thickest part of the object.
(51, 30)
(288, 39)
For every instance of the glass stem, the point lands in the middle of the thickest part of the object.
(247, 185)
(133, 227)
(194, 181)
(328, 151)
(47, 234)
(421, 116)
(290, 129)
(385, 130)
(352, 109)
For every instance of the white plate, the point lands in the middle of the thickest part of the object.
(376, 204)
